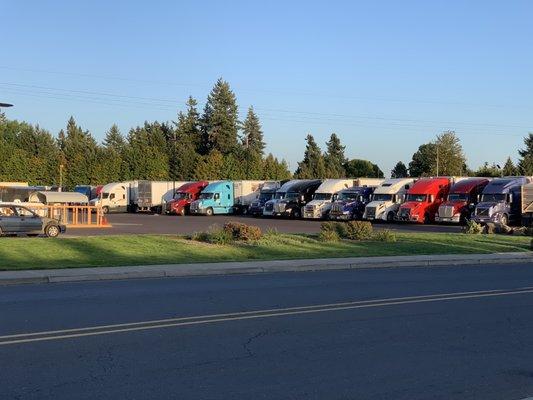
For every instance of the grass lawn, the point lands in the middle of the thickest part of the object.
(41, 253)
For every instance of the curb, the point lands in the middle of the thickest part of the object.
(254, 267)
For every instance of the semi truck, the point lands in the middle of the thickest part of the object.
(297, 196)
(117, 197)
(387, 198)
(461, 201)
(153, 195)
(268, 191)
(184, 196)
(320, 206)
(501, 201)
(226, 197)
(423, 200)
(350, 203)
(527, 205)
(268, 208)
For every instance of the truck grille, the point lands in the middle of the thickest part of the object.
(404, 213)
(279, 207)
(194, 206)
(446, 211)
(371, 212)
(336, 208)
(269, 207)
(482, 212)
(309, 209)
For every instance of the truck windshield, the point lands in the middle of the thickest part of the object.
(180, 195)
(494, 197)
(265, 196)
(348, 196)
(206, 195)
(292, 195)
(382, 197)
(419, 198)
(322, 196)
(279, 195)
(105, 195)
(458, 197)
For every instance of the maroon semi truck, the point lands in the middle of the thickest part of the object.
(461, 201)
(184, 196)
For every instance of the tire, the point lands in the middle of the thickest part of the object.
(504, 219)
(105, 209)
(427, 220)
(390, 216)
(52, 231)
(296, 213)
(209, 212)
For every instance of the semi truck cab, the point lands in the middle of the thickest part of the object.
(350, 203)
(184, 196)
(216, 198)
(268, 192)
(423, 200)
(320, 206)
(296, 198)
(268, 209)
(501, 201)
(387, 198)
(461, 201)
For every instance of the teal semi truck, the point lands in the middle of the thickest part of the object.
(226, 197)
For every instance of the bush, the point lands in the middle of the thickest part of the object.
(214, 234)
(328, 236)
(243, 232)
(385, 235)
(359, 230)
(472, 228)
(331, 226)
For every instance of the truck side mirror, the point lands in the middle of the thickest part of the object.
(510, 197)
(216, 196)
(478, 198)
(431, 198)
(334, 197)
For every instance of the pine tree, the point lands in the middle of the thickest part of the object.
(252, 135)
(488, 171)
(509, 169)
(399, 170)
(313, 165)
(210, 166)
(357, 168)
(220, 120)
(111, 164)
(525, 165)
(335, 158)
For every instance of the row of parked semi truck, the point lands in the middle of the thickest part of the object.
(507, 200)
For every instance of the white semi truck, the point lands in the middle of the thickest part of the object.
(320, 206)
(387, 198)
(117, 197)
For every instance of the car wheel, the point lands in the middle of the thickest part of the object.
(390, 216)
(52, 231)
(209, 212)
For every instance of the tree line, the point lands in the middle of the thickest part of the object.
(212, 144)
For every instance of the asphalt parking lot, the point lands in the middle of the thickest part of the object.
(171, 224)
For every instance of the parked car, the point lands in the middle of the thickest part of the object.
(461, 201)
(16, 219)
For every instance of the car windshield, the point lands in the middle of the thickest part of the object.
(417, 197)
(292, 195)
(458, 197)
(279, 195)
(180, 195)
(348, 196)
(493, 197)
(206, 195)
(265, 196)
(322, 196)
(105, 195)
(382, 197)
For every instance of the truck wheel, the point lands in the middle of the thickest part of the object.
(427, 219)
(504, 220)
(183, 212)
(105, 210)
(51, 231)
(390, 216)
(296, 213)
(209, 212)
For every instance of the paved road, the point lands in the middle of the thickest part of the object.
(410, 333)
(171, 224)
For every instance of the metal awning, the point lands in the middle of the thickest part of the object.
(58, 197)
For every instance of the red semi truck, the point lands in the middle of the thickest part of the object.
(184, 196)
(461, 201)
(423, 200)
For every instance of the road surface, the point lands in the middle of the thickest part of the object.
(172, 224)
(407, 333)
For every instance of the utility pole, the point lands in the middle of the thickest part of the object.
(60, 178)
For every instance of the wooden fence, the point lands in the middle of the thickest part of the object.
(73, 216)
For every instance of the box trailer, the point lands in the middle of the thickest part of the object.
(153, 195)
(527, 205)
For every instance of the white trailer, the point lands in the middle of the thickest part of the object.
(245, 192)
(153, 195)
(320, 206)
(387, 198)
(117, 197)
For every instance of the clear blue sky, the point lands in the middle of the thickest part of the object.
(385, 76)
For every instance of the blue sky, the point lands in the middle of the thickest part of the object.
(385, 76)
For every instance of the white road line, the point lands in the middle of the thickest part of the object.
(263, 314)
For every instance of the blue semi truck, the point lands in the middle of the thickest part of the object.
(226, 197)
(501, 201)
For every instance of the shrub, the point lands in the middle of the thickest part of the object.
(472, 228)
(240, 231)
(385, 235)
(328, 236)
(214, 234)
(332, 226)
(359, 230)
